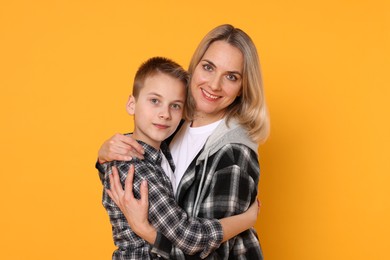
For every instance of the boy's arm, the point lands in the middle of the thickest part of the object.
(192, 235)
(231, 226)
(234, 225)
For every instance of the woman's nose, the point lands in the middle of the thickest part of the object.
(215, 83)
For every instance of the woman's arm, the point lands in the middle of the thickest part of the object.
(124, 199)
(120, 147)
(232, 189)
(136, 212)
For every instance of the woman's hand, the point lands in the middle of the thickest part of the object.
(120, 147)
(135, 211)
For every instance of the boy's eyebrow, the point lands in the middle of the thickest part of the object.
(156, 94)
(212, 64)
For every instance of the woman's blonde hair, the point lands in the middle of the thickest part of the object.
(249, 109)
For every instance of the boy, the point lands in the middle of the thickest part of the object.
(157, 102)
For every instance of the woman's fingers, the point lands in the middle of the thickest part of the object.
(120, 147)
(116, 187)
(111, 196)
(124, 148)
(144, 193)
(129, 183)
(112, 191)
(136, 149)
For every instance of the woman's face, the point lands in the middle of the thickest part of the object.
(216, 82)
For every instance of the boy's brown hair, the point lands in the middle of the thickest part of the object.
(158, 65)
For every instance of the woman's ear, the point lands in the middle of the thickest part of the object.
(130, 106)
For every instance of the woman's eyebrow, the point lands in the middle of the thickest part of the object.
(210, 62)
(213, 65)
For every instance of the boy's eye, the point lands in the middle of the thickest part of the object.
(154, 101)
(176, 106)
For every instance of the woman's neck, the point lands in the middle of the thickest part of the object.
(202, 120)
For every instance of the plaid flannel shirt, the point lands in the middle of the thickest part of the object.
(191, 235)
(229, 188)
(223, 181)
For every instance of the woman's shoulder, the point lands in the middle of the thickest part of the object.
(236, 151)
(229, 133)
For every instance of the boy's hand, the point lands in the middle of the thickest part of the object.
(120, 147)
(253, 211)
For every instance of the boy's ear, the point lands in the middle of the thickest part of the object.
(130, 106)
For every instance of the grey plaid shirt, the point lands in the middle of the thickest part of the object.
(191, 235)
(222, 181)
(228, 188)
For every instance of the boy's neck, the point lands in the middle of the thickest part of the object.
(155, 144)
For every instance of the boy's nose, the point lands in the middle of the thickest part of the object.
(164, 113)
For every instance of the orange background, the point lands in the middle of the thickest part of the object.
(66, 71)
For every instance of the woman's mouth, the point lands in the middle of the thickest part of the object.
(209, 96)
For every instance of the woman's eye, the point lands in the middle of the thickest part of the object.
(207, 67)
(231, 77)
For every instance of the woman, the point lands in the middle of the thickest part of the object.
(215, 150)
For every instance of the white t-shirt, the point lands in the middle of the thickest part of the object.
(186, 145)
(168, 170)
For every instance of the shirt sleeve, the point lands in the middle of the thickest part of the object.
(191, 235)
(233, 187)
(100, 169)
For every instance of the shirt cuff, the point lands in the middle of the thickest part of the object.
(217, 231)
(162, 246)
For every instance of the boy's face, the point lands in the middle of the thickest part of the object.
(158, 109)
